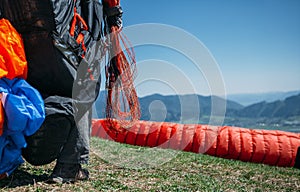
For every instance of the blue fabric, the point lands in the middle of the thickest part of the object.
(24, 114)
(10, 157)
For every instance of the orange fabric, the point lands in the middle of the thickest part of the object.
(12, 55)
(78, 21)
(111, 3)
(246, 145)
(142, 136)
(260, 146)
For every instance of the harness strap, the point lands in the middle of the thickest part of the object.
(79, 22)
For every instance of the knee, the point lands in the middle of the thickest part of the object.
(44, 146)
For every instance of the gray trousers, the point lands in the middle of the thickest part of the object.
(75, 148)
(62, 136)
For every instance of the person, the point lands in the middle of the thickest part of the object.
(58, 37)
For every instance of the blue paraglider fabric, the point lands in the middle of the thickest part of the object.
(24, 114)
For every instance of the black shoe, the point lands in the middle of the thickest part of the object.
(67, 173)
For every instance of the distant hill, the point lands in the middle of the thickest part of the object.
(158, 107)
(249, 99)
(282, 108)
(172, 107)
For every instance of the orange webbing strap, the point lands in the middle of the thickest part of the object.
(78, 21)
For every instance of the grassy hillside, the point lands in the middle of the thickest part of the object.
(183, 172)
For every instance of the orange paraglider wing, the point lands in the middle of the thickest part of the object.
(12, 56)
(277, 148)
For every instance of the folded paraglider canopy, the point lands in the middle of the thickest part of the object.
(22, 107)
(12, 57)
(24, 114)
(277, 148)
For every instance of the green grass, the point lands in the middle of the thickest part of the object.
(119, 167)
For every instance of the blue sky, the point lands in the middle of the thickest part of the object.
(256, 43)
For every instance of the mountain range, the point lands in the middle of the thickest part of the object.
(281, 108)
(198, 109)
(252, 98)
